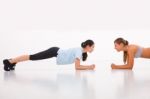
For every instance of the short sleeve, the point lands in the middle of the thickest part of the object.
(78, 54)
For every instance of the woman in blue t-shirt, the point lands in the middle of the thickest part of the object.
(63, 57)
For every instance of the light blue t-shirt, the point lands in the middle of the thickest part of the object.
(68, 56)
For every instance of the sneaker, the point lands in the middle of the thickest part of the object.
(8, 66)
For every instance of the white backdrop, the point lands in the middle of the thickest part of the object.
(30, 26)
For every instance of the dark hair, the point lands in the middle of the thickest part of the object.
(125, 43)
(84, 45)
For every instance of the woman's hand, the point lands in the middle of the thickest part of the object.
(92, 67)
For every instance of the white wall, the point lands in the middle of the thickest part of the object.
(29, 26)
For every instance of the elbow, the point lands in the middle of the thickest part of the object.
(129, 67)
(77, 67)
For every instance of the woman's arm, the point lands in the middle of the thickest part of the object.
(83, 67)
(130, 62)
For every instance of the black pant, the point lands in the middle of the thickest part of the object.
(49, 53)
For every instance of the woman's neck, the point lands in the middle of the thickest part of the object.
(84, 50)
(125, 48)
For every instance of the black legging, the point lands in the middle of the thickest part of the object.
(49, 53)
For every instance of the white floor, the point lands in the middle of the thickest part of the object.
(45, 80)
(63, 82)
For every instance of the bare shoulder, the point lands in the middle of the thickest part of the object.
(132, 48)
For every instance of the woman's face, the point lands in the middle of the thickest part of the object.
(119, 47)
(90, 48)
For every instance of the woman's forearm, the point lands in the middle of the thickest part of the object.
(84, 67)
(123, 67)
